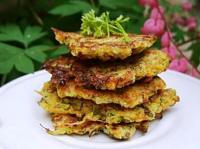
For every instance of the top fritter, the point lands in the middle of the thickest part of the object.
(106, 48)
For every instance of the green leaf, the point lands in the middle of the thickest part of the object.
(195, 47)
(32, 33)
(114, 4)
(175, 9)
(138, 9)
(59, 51)
(134, 26)
(108, 3)
(65, 10)
(6, 66)
(165, 4)
(11, 32)
(179, 34)
(10, 56)
(36, 52)
(83, 6)
(70, 8)
(24, 64)
(8, 52)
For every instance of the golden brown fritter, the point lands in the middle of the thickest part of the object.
(120, 131)
(161, 102)
(68, 124)
(128, 97)
(108, 113)
(114, 47)
(107, 75)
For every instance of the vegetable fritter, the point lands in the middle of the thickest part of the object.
(128, 97)
(68, 124)
(113, 47)
(108, 113)
(107, 75)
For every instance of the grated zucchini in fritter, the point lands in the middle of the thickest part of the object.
(128, 97)
(107, 75)
(108, 113)
(108, 48)
(69, 124)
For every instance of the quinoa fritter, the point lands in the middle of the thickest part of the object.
(108, 113)
(107, 75)
(128, 97)
(68, 124)
(107, 48)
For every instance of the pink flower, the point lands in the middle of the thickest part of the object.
(165, 39)
(151, 3)
(191, 23)
(180, 65)
(155, 14)
(153, 26)
(171, 51)
(178, 19)
(187, 6)
(194, 73)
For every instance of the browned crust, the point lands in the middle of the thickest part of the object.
(107, 75)
(108, 113)
(128, 97)
(107, 48)
(68, 124)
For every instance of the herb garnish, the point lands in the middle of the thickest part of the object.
(102, 26)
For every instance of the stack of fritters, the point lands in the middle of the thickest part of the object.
(109, 85)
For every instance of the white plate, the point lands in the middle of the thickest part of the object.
(20, 119)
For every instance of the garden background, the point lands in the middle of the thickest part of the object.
(26, 39)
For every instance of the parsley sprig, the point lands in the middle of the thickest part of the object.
(102, 26)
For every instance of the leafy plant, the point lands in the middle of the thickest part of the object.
(102, 26)
(21, 57)
(70, 8)
(26, 40)
(195, 47)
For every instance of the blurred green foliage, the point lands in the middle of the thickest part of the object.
(26, 40)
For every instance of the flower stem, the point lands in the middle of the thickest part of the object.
(168, 29)
(3, 79)
(181, 53)
(189, 40)
(92, 2)
(36, 16)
